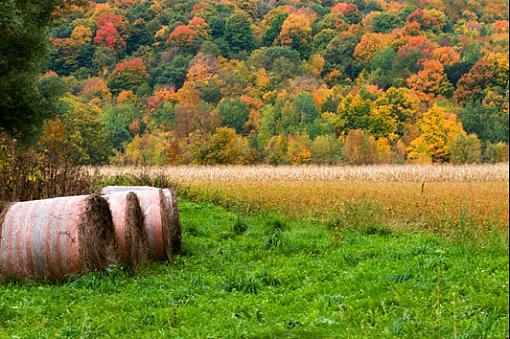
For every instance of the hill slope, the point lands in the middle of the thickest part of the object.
(165, 82)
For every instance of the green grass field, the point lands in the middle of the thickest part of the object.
(265, 276)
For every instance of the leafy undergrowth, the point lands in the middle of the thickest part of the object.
(270, 277)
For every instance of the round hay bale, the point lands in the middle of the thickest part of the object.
(128, 223)
(154, 212)
(157, 224)
(52, 239)
(173, 219)
(172, 227)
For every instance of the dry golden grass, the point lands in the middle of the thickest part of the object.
(430, 205)
(438, 198)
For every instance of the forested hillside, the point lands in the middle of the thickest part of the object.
(305, 81)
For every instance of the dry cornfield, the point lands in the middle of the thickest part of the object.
(376, 173)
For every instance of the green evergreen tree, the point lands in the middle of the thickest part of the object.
(238, 33)
(23, 50)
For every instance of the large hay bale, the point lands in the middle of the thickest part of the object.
(52, 239)
(128, 222)
(160, 215)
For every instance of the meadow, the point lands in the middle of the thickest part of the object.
(299, 257)
(267, 276)
(464, 200)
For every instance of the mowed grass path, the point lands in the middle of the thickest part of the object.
(269, 277)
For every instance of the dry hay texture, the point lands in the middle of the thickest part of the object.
(128, 222)
(173, 218)
(161, 218)
(53, 239)
(436, 206)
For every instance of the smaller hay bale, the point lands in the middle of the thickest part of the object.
(155, 212)
(128, 223)
(172, 227)
(52, 239)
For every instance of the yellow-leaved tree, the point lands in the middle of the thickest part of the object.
(438, 126)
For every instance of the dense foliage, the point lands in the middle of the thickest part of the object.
(308, 81)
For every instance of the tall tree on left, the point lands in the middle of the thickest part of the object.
(23, 51)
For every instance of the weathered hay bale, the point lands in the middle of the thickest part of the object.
(173, 219)
(128, 223)
(158, 225)
(52, 239)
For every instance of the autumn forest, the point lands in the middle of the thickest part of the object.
(240, 82)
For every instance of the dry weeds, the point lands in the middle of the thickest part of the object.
(430, 206)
